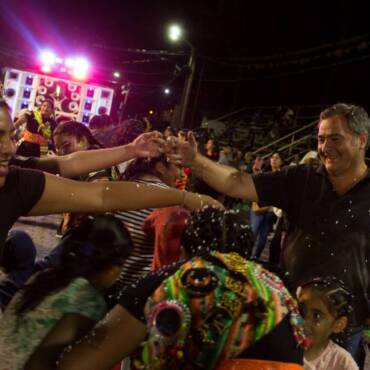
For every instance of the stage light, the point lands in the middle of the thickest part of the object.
(46, 69)
(116, 74)
(167, 91)
(69, 62)
(174, 32)
(47, 58)
(80, 68)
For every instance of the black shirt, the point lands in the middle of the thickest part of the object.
(278, 345)
(24, 162)
(22, 190)
(329, 234)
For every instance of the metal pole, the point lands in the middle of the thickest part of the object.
(187, 87)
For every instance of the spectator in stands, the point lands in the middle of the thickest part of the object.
(247, 165)
(40, 124)
(328, 201)
(311, 159)
(238, 158)
(61, 304)
(211, 151)
(226, 155)
(213, 310)
(295, 160)
(263, 218)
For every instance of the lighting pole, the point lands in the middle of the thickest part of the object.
(175, 33)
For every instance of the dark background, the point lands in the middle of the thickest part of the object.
(250, 53)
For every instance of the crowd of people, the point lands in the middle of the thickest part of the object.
(162, 261)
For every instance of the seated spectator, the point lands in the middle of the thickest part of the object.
(211, 151)
(247, 165)
(214, 310)
(226, 156)
(311, 159)
(60, 304)
(325, 307)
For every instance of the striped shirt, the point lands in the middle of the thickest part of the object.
(141, 258)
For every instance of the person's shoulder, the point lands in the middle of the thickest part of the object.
(19, 173)
(81, 290)
(340, 358)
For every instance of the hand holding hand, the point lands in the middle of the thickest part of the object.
(149, 145)
(186, 151)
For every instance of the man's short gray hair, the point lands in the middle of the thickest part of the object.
(357, 118)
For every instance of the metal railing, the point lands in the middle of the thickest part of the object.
(290, 135)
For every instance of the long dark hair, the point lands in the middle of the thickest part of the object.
(78, 130)
(94, 245)
(217, 229)
(143, 166)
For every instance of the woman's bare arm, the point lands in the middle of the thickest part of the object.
(118, 335)
(64, 195)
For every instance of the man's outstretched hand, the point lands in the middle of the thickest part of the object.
(149, 145)
(186, 151)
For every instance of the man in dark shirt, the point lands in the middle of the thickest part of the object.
(325, 203)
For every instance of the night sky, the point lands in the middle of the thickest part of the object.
(231, 37)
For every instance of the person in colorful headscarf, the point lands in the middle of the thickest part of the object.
(212, 310)
(39, 127)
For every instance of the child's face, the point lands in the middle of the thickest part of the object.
(319, 321)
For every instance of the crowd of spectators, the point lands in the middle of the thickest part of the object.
(210, 257)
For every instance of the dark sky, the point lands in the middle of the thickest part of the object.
(223, 31)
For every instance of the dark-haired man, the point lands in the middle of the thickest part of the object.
(331, 200)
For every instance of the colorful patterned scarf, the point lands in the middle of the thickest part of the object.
(213, 308)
